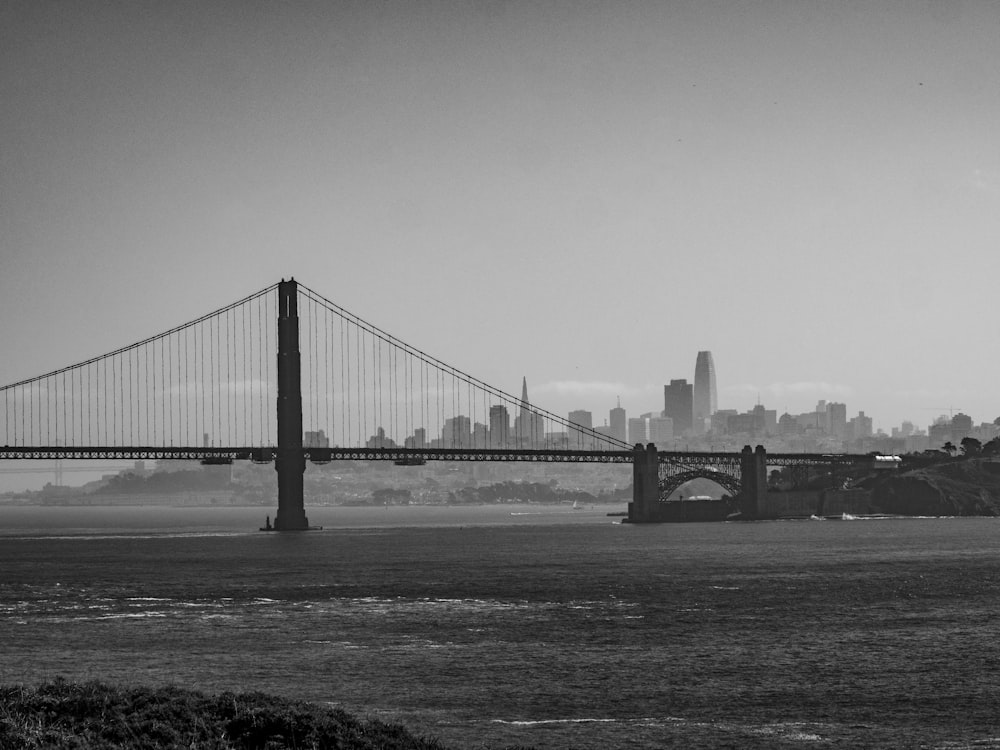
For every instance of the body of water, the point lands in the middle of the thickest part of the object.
(530, 625)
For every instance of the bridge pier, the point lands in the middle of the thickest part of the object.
(645, 484)
(290, 462)
(753, 478)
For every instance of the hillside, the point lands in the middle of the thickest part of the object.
(956, 487)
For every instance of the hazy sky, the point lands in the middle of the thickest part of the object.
(582, 193)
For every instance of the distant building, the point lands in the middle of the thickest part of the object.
(457, 432)
(788, 425)
(558, 441)
(720, 421)
(822, 417)
(757, 422)
(660, 431)
(705, 400)
(678, 405)
(637, 430)
(837, 419)
(961, 427)
(529, 426)
(939, 433)
(861, 426)
(499, 426)
(581, 438)
(605, 432)
(770, 419)
(379, 440)
(418, 439)
(317, 439)
(619, 424)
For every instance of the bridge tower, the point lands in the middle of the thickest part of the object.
(645, 484)
(290, 462)
(753, 473)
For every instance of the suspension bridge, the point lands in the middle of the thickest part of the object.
(286, 376)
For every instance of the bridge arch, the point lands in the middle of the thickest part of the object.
(675, 480)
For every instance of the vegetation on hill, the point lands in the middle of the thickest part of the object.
(963, 486)
(96, 716)
(202, 479)
(959, 480)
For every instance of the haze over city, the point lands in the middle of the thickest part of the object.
(585, 195)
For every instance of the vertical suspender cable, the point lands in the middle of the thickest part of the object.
(65, 400)
(364, 387)
(327, 377)
(182, 364)
(313, 369)
(378, 342)
(104, 387)
(314, 359)
(164, 394)
(243, 373)
(344, 387)
(265, 369)
(261, 348)
(169, 379)
(217, 382)
(230, 359)
(199, 376)
(211, 381)
(234, 415)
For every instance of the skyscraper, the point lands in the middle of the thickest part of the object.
(499, 426)
(837, 417)
(705, 398)
(581, 438)
(660, 431)
(457, 432)
(618, 423)
(529, 426)
(677, 404)
(637, 430)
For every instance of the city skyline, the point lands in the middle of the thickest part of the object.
(707, 400)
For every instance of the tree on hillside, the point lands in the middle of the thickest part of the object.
(949, 448)
(971, 447)
(992, 448)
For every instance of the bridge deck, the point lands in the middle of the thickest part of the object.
(412, 455)
(316, 455)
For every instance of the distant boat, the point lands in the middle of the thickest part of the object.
(577, 506)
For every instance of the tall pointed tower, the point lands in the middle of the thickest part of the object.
(525, 413)
(528, 426)
(705, 398)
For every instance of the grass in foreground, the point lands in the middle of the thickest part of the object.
(94, 715)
